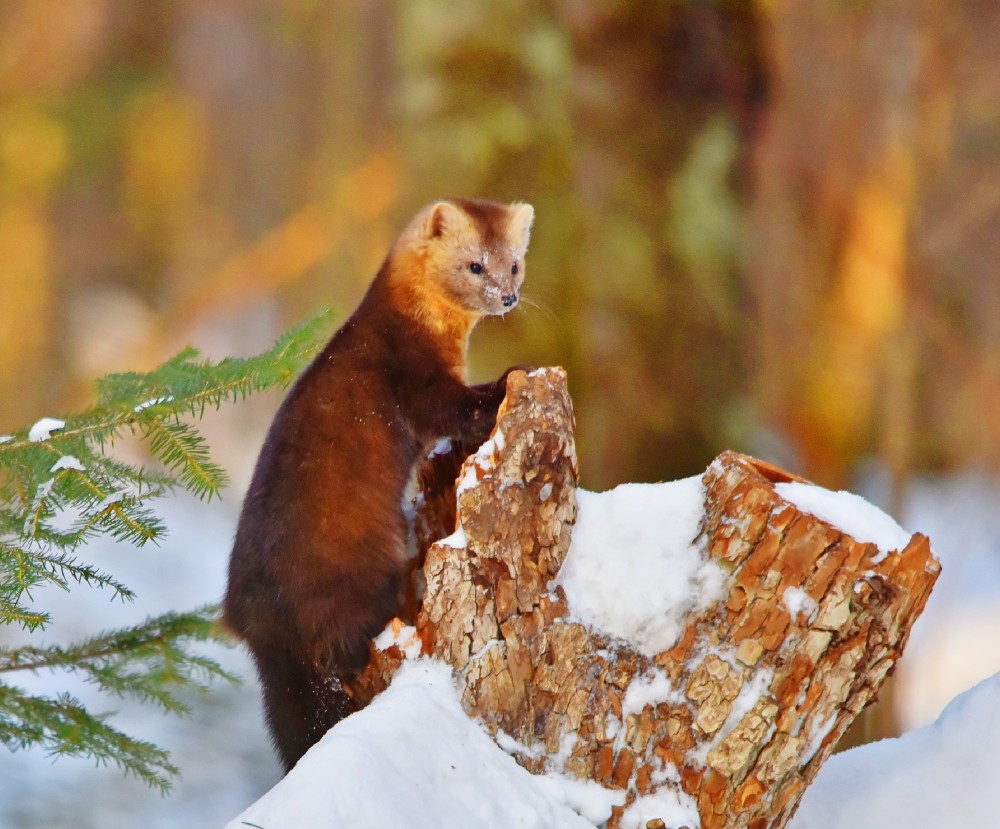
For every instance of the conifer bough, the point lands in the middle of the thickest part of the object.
(59, 488)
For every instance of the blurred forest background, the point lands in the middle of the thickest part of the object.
(772, 226)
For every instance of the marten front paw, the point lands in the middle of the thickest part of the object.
(494, 393)
(525, 368)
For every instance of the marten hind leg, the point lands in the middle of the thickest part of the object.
(301, 702)
(300, 672)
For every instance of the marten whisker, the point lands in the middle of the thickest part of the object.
(534, 305)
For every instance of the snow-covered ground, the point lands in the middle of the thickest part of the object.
(412, 758)
(944, 774)
(227, 763)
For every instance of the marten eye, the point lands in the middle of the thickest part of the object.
(513, 268)
(475, 267)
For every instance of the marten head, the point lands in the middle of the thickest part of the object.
(466, 255)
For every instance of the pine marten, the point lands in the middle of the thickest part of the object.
(321, 546)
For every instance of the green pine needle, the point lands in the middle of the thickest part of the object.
(58, 492)
(148, 662)
(64, 728)
(181, 449)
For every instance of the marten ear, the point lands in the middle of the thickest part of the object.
(521, 219)
(444, 219)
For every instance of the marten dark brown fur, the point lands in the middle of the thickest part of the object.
(321, 547)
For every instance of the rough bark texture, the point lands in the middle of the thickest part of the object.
(760, 694)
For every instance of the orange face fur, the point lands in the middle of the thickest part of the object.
(460, 260)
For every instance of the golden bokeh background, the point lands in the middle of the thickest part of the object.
(770, 226)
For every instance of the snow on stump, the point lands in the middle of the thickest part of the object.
(715, 703)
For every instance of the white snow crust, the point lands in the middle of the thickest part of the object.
(67, 462)
(412, 758)
(798, 601)
(634, 567)
(847, 512)
(457, 539)
(480, 464)
(441, 447)
(672, 807)
(650, 689)
(588, 799)
(405, 639)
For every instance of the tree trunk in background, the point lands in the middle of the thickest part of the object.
(526, 667)
(873, 234)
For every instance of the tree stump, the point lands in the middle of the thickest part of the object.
(736, 717)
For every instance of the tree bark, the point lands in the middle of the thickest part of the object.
(762, 694)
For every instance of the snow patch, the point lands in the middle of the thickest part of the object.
(512, 745)
(403, 637)
(43, 429)
(43, 491)
(587, 798)
(457, 539)
(156, 401)
(468, 480)
(849, 513)
(482, 463)
(442, 447)
(798, 601)
(649, 689)
(818, 732)
(674, 808)
(635, 568)
(750, 694)
(756, 686)
(67, 462)
(112, 499)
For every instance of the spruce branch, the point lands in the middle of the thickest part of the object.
(60, 488)
(183, 385)
(180, 448)
(20, 570)
(16, 614)
(149, 662)
(63, 727)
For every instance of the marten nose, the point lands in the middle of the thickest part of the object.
(508, 300)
